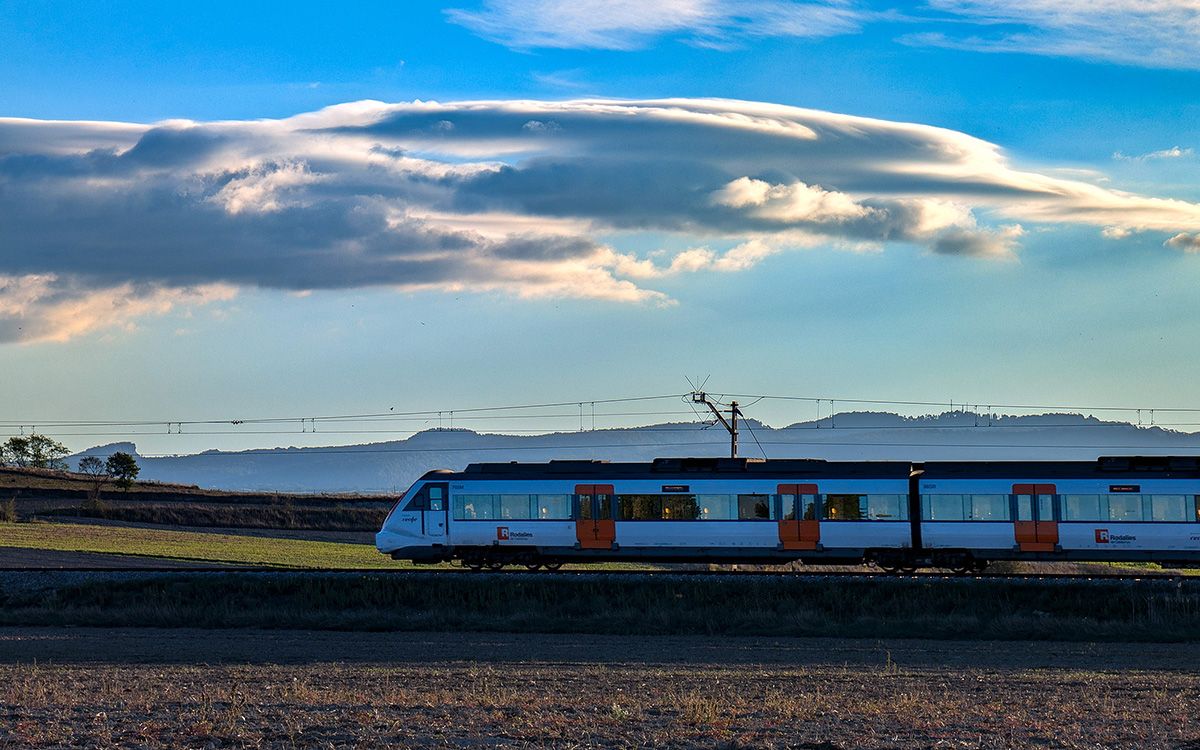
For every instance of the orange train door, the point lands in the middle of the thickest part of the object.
(1034, 527)
(594, 524)
(798, 524)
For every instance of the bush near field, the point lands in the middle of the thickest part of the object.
(27, 483)
(1164, 610)
(28, 492)
(338, 517)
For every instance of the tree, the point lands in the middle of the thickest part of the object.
(15, 452)
(97, 472)
(123, 469)
(38, 451)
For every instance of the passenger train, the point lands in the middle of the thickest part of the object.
(896, 515)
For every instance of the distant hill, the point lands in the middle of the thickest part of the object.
(390, 467)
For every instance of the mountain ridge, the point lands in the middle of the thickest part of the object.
(390, 466)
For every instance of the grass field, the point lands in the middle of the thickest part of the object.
(194, 546)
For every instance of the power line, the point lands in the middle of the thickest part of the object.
(326, 418)
(464, 413)
(479, 417)
(976, 404)
(692, 427)
(337, 450)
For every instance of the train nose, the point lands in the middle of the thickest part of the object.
(389, 540)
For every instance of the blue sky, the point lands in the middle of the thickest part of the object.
(189, 242)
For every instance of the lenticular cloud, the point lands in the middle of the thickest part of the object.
(105, 222)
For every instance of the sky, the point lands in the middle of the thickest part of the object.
(235, 211)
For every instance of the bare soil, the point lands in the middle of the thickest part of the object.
(152, 688)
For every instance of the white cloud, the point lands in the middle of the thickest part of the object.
(789, 203)
(1189, 243)
(45, 307)
(264, 188)
(1145, 33)
(629, 24)
(123, 220)
(1175, 152)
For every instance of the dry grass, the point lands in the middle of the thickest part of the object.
(461, 704)
(194, 546)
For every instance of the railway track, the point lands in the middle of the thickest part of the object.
(594, 574)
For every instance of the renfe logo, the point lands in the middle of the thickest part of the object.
(502, 533)
(1101, 536)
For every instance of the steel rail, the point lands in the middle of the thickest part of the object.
(519, 571)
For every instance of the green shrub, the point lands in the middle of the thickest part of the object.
(1164, 610)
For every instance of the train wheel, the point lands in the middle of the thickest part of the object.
(552, 565)
(495, 565)
(474, 565)
(531, 566)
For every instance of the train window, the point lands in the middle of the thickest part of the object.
(639, 507)
(716, 507)
(680, 508)
(787, 507)
(1198, 507)
(1045, 507)
(553, 506)
(1168, 508)
(1124, 507)
(604, 509)
(986, 507)
(1081, 508)
(844, 507)
(585, 508)
(473, 507)
(808, 507)
(420, 501)
(754, 507)
(942, 507)
(1024, 507)
(887, 507)
(515, 507)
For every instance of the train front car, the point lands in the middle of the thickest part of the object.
(1120, 509)
(671, 510)
(417, 528)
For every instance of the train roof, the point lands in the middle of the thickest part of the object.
(1164, 467)
(697, 467)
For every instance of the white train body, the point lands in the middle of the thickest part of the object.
(897, 514)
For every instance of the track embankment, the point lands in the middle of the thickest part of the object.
(1147, 609)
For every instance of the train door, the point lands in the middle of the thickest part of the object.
(1035, 525)
(436, 509)
(799, 527)
(594, 524)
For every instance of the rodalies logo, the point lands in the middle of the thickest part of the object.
(1101, 536)
(504, 535)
